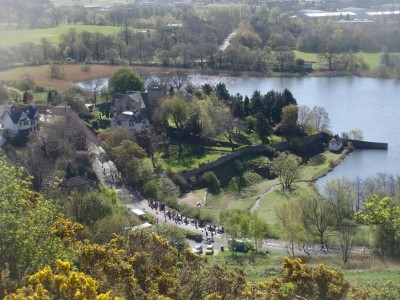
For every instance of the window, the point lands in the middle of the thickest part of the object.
(24, 123)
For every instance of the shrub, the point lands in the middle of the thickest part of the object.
(212, 182)
(181, 182)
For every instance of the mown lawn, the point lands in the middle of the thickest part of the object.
(318, 164)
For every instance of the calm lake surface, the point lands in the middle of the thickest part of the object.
(369, 104)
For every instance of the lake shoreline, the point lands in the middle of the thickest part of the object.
(74, 73)
(336, 163)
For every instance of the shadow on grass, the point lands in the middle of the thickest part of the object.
(317, 160)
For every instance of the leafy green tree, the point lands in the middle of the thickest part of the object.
(151, 142)
(339, 196)
(150, 189)
(287, 167)
(289, 214)
(317, 215)
(26, 220)
(167, 187)
(289, 118)
(257, 229)
(113, 137)
(125, 80)
(177, 109)
(383, 213)
(174, 235)
(235, 222)
(90, 207)
(104, 229)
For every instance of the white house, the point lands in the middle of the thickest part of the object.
(19, 118)
(130, 111)
(130, 120)
(335, 144)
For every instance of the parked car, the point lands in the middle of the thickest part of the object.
(198, 249)
(209, 250)
(208, 240)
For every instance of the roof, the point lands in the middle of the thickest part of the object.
(131, 117)
(134, 96)
(138, 212)
(17, 112)
(142, 226)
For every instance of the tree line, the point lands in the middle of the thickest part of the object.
(264, 39)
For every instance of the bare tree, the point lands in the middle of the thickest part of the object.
(94, 86)
(284, 55)
(305, 118)
(321, 118)
(227, 124)
(179, 79)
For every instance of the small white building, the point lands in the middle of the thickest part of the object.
(335, 144)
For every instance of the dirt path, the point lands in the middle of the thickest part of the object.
(256, 204)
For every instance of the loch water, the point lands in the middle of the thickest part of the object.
(369, 104)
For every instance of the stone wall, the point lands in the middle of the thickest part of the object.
(366, 145)
(258, 149)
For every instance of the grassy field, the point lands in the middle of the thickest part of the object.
(371, 59)
(318, 165)
(232, 199)
(12, 37)
(190, 162)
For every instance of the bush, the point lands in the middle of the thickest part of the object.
(212, 182)
(181, 182)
